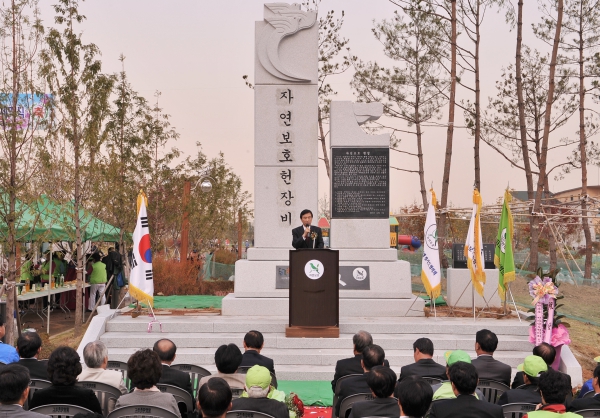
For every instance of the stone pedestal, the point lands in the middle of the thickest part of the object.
(460, 279)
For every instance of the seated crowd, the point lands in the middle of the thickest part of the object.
(364, 385)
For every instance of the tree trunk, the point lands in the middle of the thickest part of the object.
(419, 134)
(323, 144)
(477, 100)
(449, 137)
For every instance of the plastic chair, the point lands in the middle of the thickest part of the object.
(347, 403)
(589, 413)
(121, 367)
(247, 414)
(589, 394)
(492, 389)
(433, 380)
(338, 386)
(107, 395)
(181, 396)
(141, 411)
(236, 392)
(35, 385)
(517, 410)
(196, 373)
(60, 410)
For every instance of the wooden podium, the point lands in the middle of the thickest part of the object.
(314, 294)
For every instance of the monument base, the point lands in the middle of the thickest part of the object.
(460, 279)
(312, 332)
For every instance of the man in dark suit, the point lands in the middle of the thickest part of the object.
(344, 367)
(306, 235)
(463, 377)
(487, 366)
(589, 402)
(166, 350)
(424, 364)
(29, 346)
(382, 381)
(529, 392)
(414, 396)
(14, 390)
(372, 356)
(253, 344)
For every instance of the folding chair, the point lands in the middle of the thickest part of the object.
(491, 389)
(347, 403)
(121, 367)
(517, 410)
(141, 411)
(60, 410)
(589, 394)
(247, 414)
(35, 385)
(589, 413)
(236, 393)
(338, 386)
(432, 380)
(183, 398)
(107, 395)
(196, 373)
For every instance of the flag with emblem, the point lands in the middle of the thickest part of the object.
(430, 267)
(474, 246)
(503, 257)
(141, 283)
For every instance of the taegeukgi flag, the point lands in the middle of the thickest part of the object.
(141, 283)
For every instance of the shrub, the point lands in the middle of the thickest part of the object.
(174, 278)
(225, 257)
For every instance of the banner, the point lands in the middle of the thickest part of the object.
(474, 246)
(503, 257)
(430, 267)
(141, 283)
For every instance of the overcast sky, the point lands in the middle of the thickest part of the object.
(195, 52)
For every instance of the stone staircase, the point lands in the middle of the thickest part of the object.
(197, 338)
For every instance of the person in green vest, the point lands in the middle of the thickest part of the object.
(98, 280)
(554, 387)
(26, 269)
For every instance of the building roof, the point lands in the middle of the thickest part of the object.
(522, 195)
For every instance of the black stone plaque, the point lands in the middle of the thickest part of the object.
(360, 182)
(459, 261)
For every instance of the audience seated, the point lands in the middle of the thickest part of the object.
(14, 390)
(95, 356)
(554, 388)
(253, 344)
(532, 367)
(8, 354)
(63, 368)
(444, 390)
(487, 366)
(214, 398)
(587, 385)
(463, 377)
(414, 396)
(260, 396)
(29, 346)
(372, 356)
(227, 359)
(545, 351)
(424, 364)
(166, 350)
(589, 402)
(382, 381)
(361, 340)
(144, 370)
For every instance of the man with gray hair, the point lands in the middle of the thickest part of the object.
(95, 356)
(361, 340)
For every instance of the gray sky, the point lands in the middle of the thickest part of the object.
(195, 52)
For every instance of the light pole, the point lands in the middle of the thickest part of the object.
(206, 185)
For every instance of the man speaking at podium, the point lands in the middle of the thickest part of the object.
(307, 236)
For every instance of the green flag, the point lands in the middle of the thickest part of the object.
(503, 258)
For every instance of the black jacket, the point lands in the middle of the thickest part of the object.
(585, 403)
(272, 407)
(70, 395)
(491, 369)
(252, 358)
(465, 406)
(352, 386)
(425, 368)
(348, 366)
(378, 407)
(176, 378)
(37, 369)
(527, 394)
(299, 242)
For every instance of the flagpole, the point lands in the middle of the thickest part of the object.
(514, 303)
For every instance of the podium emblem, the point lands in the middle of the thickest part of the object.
(359, 274)
(314, 269)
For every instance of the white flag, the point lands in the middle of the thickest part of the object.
(141, 283)
(474, 246)
(430, 267)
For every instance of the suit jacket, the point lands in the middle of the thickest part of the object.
(378, 407)
(465, 406)
(272, 407)
(491, 369)
(70, 395)
(585, 403)
(348, 366)
(352, 386)
(252, 358)
(17, 411)
(426, 367)
(527, 394)
(37, 369)
(176, 378)
(299, 242)
(110, 377)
